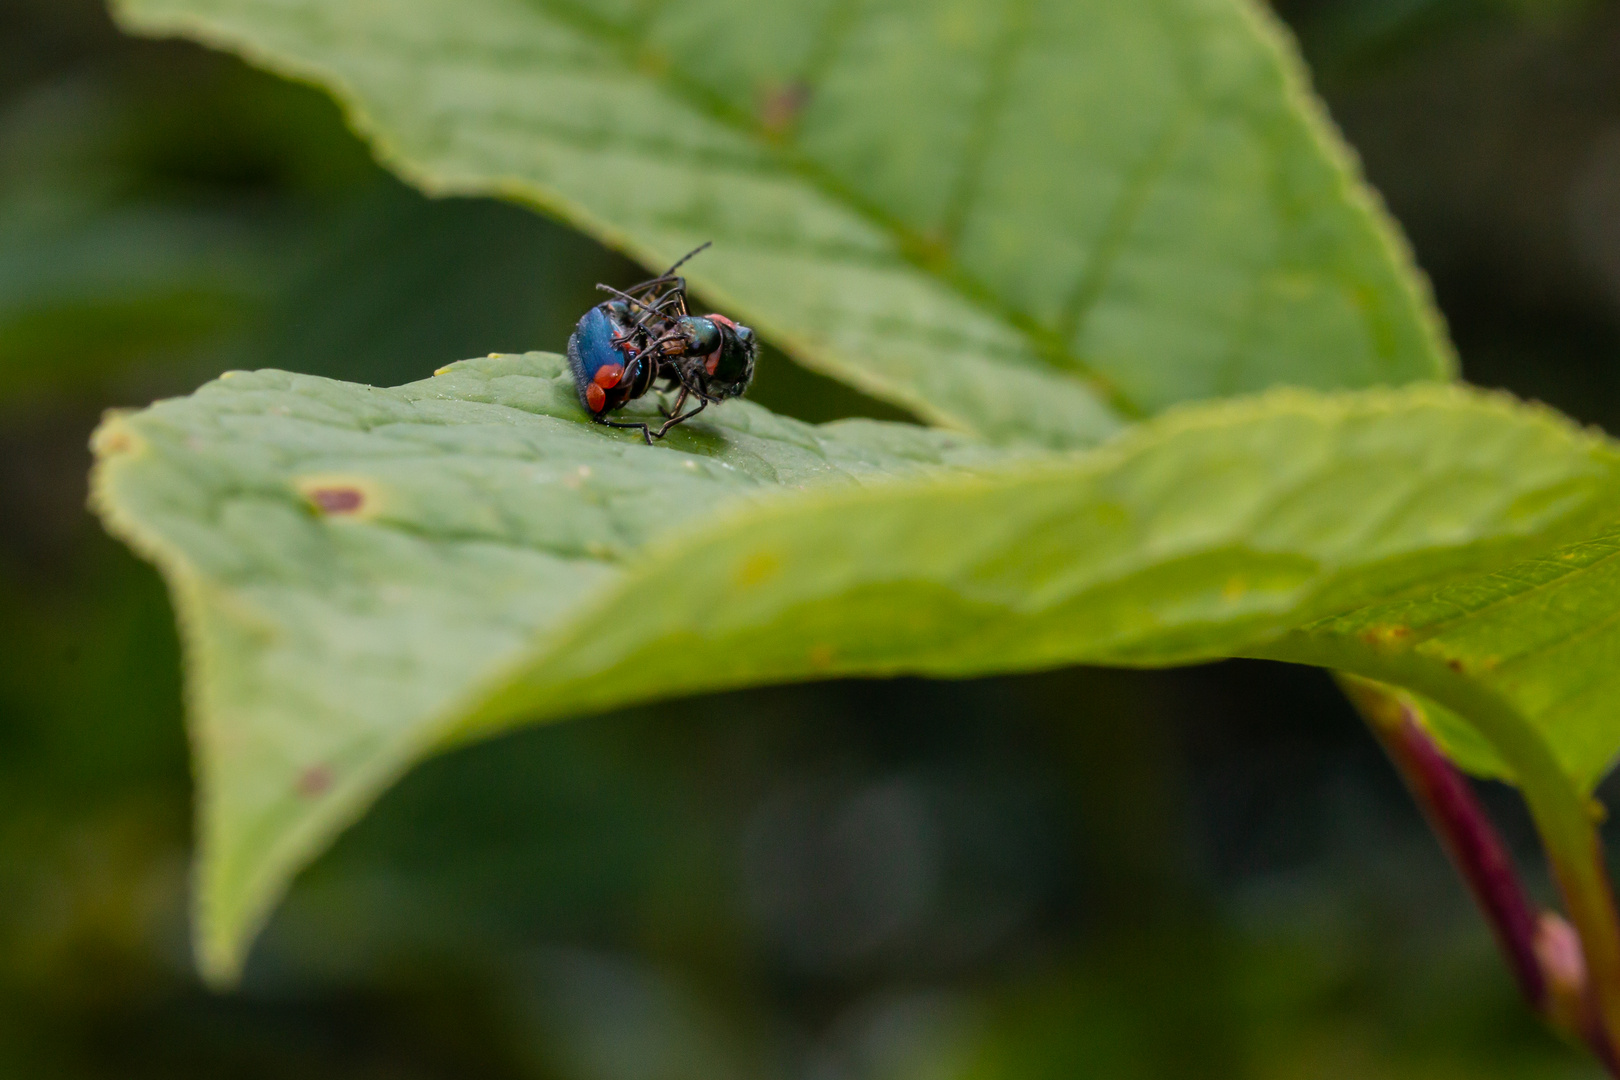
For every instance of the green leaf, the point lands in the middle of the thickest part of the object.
(1031, 220)
(1541, 636)
(364, 576)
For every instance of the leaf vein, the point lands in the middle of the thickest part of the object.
(991, 107)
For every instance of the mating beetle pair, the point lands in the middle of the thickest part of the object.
(645, 335)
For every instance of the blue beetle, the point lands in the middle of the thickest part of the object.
(609, 368)
(644, 335)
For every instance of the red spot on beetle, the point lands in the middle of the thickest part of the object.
(315, 780)
(712, 363)
(595, 397)
(608, 375)
(337, 500)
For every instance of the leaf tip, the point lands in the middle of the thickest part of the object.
(220, 951)
(114, 437)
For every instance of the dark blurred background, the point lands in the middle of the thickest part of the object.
(1206, 873)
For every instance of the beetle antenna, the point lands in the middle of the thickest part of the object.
(688, 255)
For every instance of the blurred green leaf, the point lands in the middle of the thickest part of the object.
(1340, 38)
(365, 575)
(1032, 221)
(118, 288)
(145, 228)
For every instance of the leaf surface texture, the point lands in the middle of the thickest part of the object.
(364, 576)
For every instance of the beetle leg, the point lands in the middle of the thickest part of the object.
(646, 430)
(672, 421)
(658, 309)
(679, 401)
(654, 345)
(626, 297)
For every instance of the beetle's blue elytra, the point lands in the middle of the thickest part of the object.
(606, 367)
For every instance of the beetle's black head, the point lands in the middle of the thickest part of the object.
(730, 368)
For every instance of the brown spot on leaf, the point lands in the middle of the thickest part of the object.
(821, 657)
(779, 107)
(314, 781)
(340, 494)
(337, 500)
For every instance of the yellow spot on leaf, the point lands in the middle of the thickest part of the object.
(757, 569)
(1386, 635)
(114, 438)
